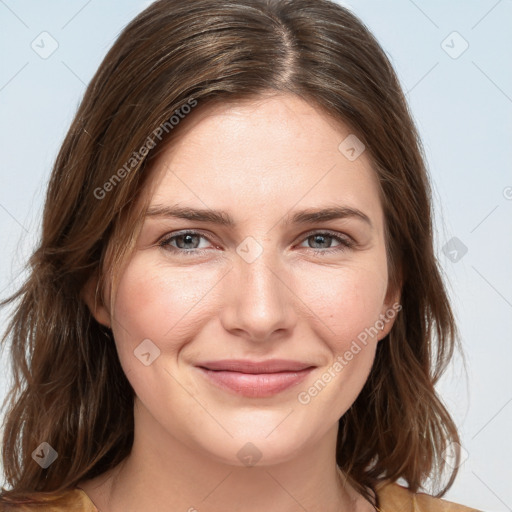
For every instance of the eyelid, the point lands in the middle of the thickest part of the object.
(174, 234)
(335, 234)
(345, 242)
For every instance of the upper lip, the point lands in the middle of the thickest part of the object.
(247, 366)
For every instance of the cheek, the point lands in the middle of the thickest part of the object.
(155, 303)
(347, 301)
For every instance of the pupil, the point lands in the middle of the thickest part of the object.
(322, 238)
(186, 240)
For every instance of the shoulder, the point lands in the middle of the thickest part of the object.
(393, 496)
(74, 500)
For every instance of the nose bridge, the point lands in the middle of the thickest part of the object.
(261, 301)
(260, 277)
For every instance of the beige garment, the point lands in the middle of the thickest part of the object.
(395, 498)
(392, 497)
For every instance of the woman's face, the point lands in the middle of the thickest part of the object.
(195, 314)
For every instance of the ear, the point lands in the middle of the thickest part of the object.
(390, 310)
(95, 302)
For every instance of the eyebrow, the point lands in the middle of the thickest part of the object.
(222, 218)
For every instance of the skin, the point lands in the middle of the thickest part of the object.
(261, 161)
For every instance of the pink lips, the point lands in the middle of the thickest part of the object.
(255, 379)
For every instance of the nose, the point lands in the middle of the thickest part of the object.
(260, 300)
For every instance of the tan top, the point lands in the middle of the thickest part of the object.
(393, 498)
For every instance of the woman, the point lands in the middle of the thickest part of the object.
(255, 370)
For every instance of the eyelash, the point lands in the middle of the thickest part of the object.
(345, 243)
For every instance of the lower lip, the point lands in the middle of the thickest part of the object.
(256, 385)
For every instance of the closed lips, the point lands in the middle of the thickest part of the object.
(246, 366)
(255, 379)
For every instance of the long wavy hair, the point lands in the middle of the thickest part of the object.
(68, 387)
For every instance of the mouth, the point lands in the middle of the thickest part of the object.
(255, 379)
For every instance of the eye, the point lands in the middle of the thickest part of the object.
(186, 243)
(324, 240)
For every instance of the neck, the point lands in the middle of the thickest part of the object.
(161, 473)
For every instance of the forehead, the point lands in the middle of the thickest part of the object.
(263, 155)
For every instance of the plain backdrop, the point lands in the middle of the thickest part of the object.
(454, 62)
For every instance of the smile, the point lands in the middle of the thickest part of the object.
(256, 380)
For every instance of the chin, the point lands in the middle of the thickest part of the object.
(255, 447)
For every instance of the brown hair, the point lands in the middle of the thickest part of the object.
(68, 387)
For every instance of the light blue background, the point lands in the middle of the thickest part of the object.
(462, 106)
